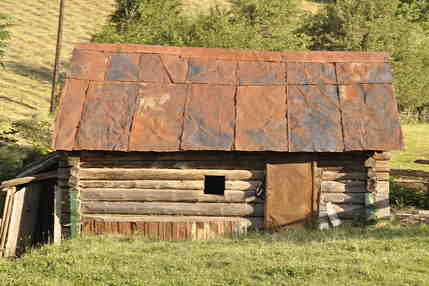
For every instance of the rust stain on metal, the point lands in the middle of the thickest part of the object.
(349, 73)
(123, 67)
(72, 102)
(209, 118)
(158, 119)
(314, 119)
(352, 100)
(261, 119)
(370, 117)
(261, 73)
(152, 69)
(107, 116)
(88, 65)
(177, 67)
(212, 71)
(311, 73)
(383, 130)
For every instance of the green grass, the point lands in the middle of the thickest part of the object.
(416, 147)
(26, 81)
(388, 255)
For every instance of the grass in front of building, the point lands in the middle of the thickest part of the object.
(378, 255)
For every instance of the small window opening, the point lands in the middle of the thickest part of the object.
(214, 185)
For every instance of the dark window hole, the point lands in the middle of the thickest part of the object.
(214, 185)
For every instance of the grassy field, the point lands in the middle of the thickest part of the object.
(25, 82)
(416, 139)
(376, 256)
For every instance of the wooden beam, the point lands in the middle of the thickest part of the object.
(167, 174)
(29, 179)
(153, 195)
(168, 184)
(349, 198)
(343, 187)
(187, 209)
(334, 176)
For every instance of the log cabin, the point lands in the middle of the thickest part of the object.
(191, 143)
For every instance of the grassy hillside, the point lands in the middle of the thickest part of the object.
(375, 256)
(25, 83)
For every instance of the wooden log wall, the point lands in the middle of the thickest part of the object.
(122, 189)
(381, 170)
(344, 185)
(165, 194)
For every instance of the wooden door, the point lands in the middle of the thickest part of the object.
(289, 194)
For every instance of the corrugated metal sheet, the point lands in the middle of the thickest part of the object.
(153, 98)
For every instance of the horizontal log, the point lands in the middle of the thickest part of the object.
(252, 222)
(166, 196)
(346, 211)
(382, 156)
(183, 164)
(343, 187)
(167, 174)
(185, 209)
(383, 176)
(334, 176)
(382, 186)
(168, 184)
(347, 198)
(382, 166)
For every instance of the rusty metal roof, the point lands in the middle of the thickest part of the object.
(122, 97)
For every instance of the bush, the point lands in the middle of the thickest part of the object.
(250, 24)
(401, 196)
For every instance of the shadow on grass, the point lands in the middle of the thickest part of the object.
(38, 73)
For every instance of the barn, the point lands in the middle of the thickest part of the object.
(192, 143)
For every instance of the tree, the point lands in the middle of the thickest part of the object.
(4, 34)
(382, 25)
(251, 24)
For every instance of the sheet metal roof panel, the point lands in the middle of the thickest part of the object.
(382, 125)
(107, 116)
(209, 118)
(88, 65)
(261, 73)
(311, 73)
(226, 100)
(314, 119)
(67, 122)
(349, 73)
(158, 120)
(261, 119)
(352, 99)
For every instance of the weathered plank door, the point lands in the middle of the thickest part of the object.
(289, 194)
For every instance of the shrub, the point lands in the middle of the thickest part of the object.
(401, 196)
(251, 24)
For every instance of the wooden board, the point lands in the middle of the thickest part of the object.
(23, 220)
(289, 200)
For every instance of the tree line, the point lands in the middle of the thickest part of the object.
(400, 27)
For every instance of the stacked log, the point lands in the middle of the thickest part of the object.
(343, 183)
(168, 195)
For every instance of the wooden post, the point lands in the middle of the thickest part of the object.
(57, 215)
(57, 56)
(74, 195)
